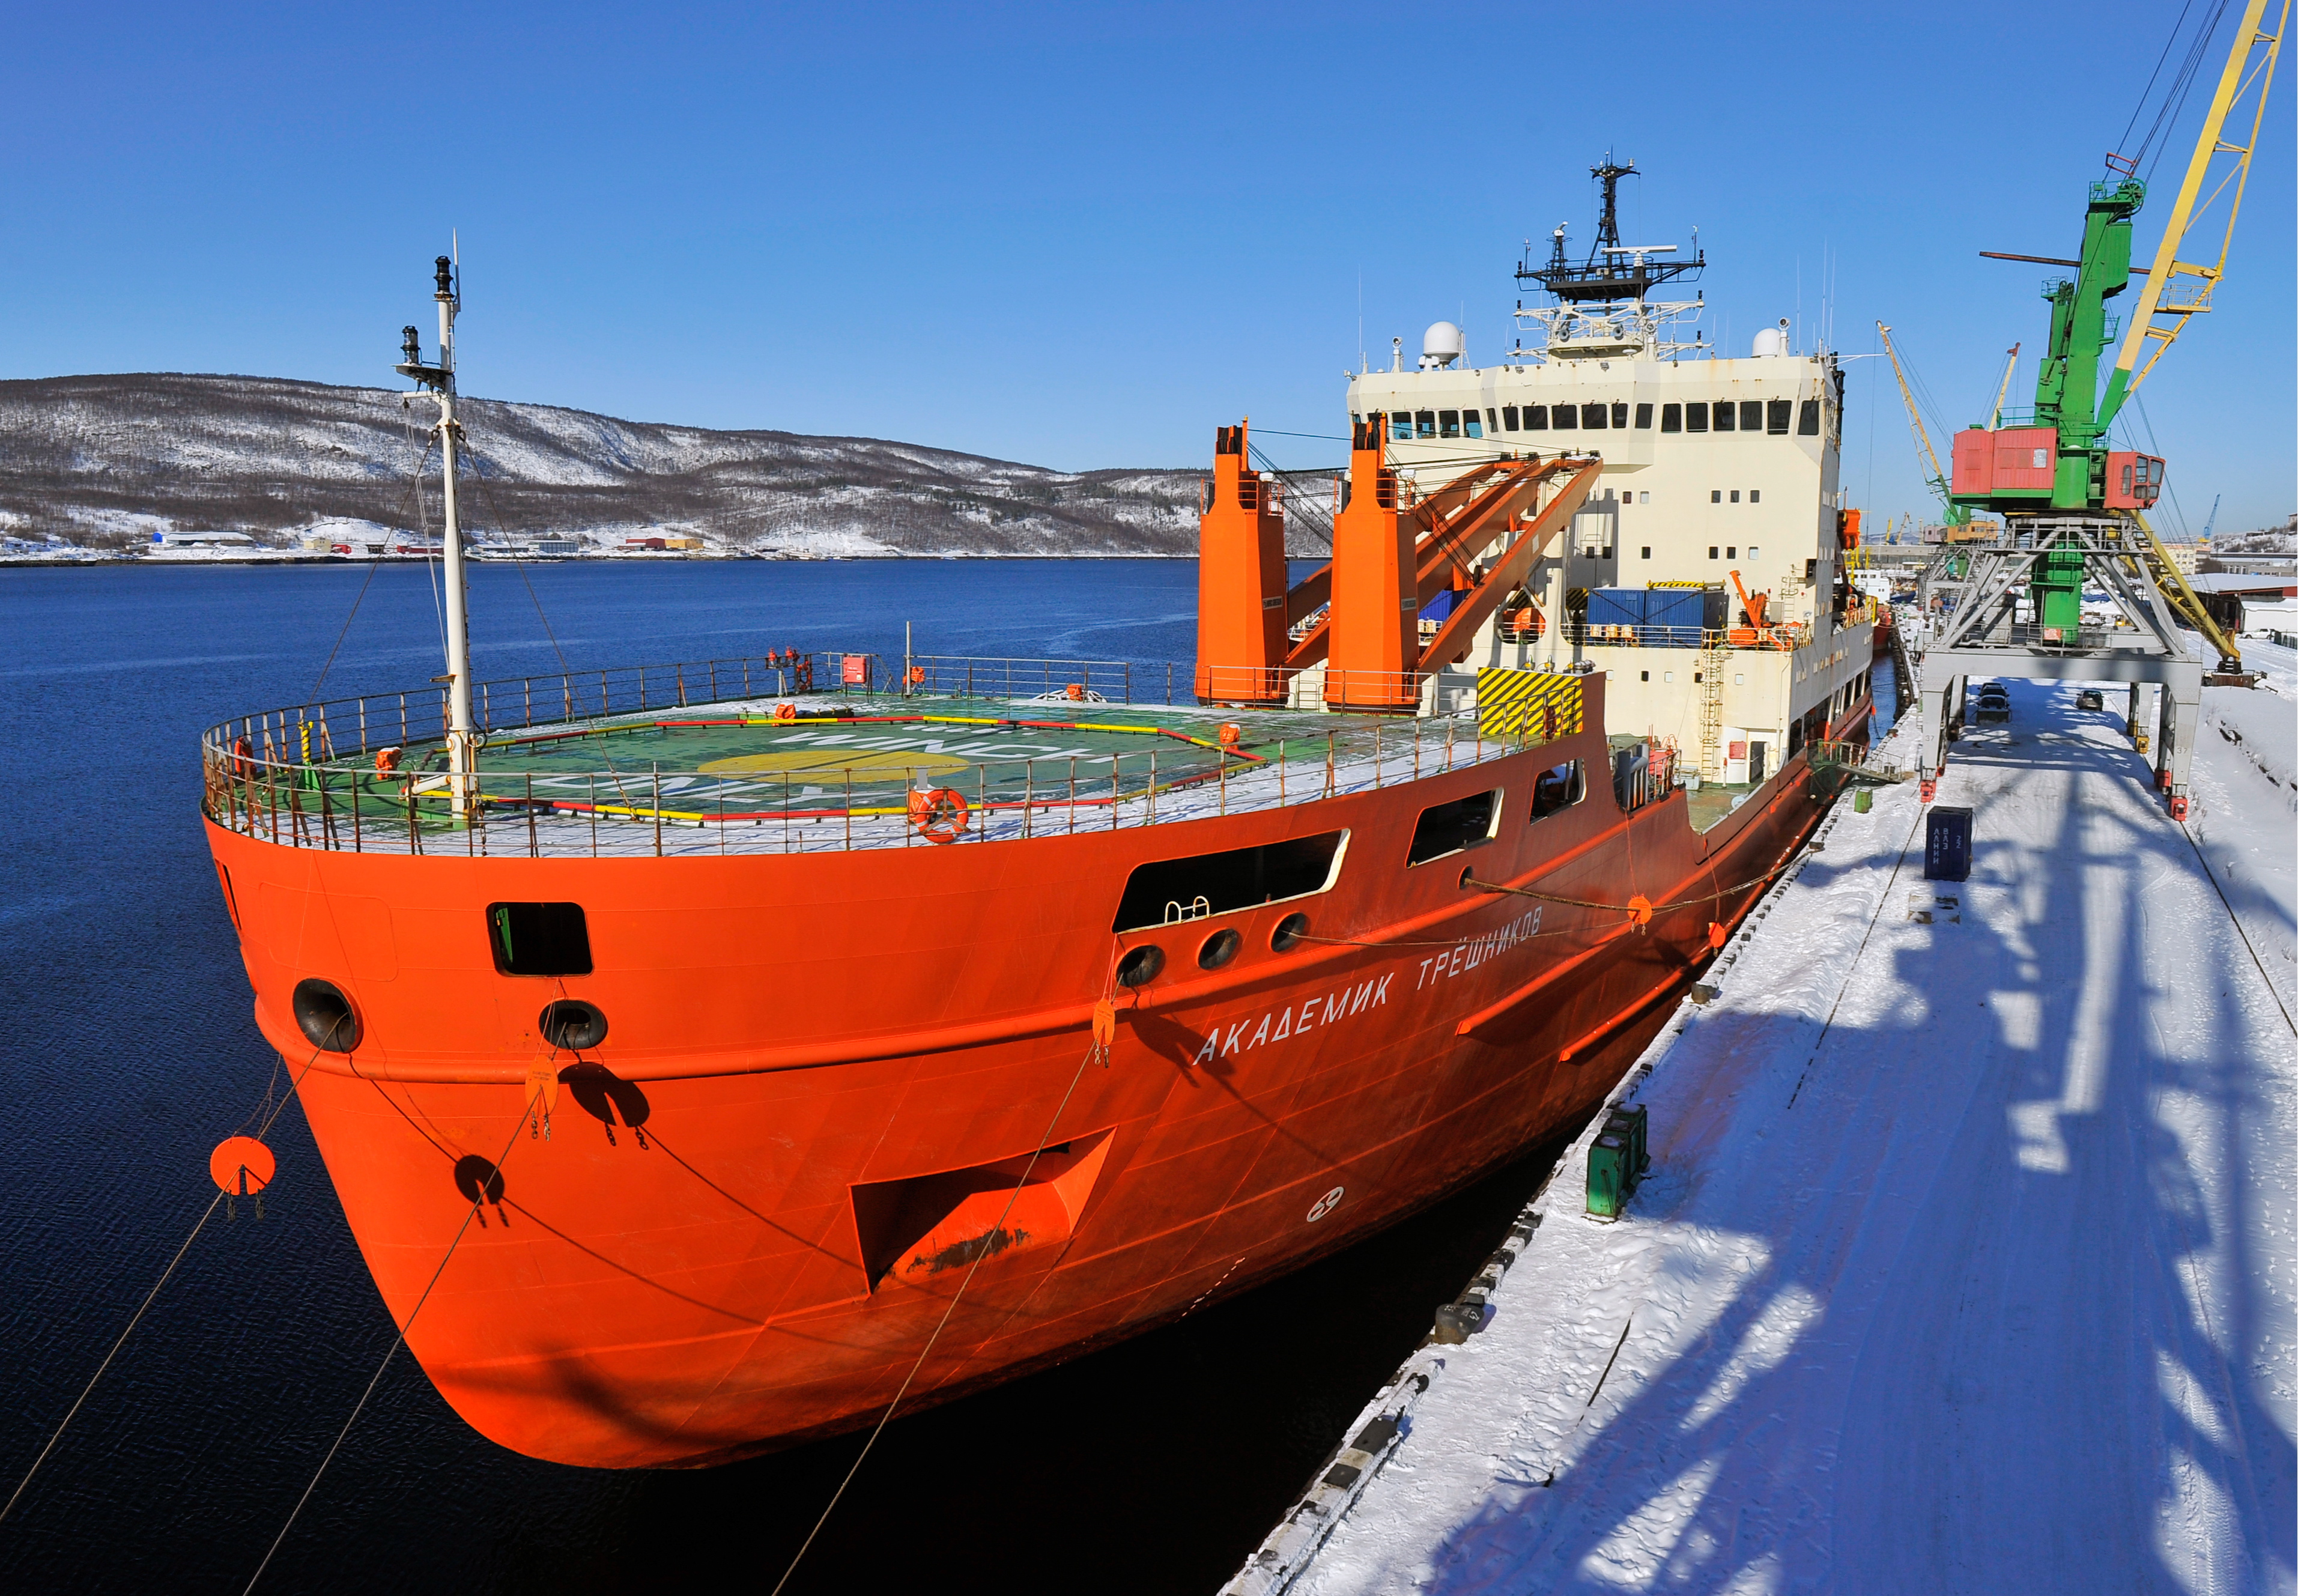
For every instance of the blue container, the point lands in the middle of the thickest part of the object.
(1675, 616)
(1946, 844)
(1618, 606)
(1441, 607)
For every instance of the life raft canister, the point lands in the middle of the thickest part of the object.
(1230, 735)
(786, 712)
(1076, 690)
(938, 813)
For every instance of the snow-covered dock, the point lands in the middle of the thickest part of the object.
(1966, 1259)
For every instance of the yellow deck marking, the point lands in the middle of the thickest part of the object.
(860, 762)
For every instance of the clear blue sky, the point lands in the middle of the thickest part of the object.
(1085, 235)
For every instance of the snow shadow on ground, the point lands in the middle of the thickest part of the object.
(1967, 1293)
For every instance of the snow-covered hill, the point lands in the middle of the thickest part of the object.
(98, 459)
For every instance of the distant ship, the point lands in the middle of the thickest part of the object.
(772, 1012)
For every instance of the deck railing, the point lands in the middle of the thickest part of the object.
(369, 774)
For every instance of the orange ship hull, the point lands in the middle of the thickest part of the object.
(825, 1072)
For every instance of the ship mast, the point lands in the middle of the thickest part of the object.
(462, 743)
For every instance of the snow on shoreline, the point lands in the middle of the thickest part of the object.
(1966, 1261)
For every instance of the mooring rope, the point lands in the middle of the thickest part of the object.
(1091, 1053)
(138, 1318)
(489, 1181)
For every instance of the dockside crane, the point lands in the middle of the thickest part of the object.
(2072, 505)
(1952, 513)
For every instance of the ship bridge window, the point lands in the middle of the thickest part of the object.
(1724, 414)
(1695, 418)
(1620, 417)
(1447, 829)
(1424, 423)
(1751, 415)
(1670, 417)
(1448, 424)
(1643, 418)
(1592, 417)
(1559, 789)
(539, 939)
(1475, 426)
(1399, 423)
(1807, 420)
(1535, 417)
(1776, 414)
(1507, 417)
(1167, 891)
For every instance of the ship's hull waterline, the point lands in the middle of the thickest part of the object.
(824, 1074)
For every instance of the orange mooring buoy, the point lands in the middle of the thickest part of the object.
(243, 1167)
(1640, 910)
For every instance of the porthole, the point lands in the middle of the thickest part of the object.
(573, 1024)
(1290, 932)
(326, 1016)
(1140, 967)
(1220, 949)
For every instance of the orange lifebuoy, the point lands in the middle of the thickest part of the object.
(938, 813)
(786, 712)
(243, 757)
(387, 760)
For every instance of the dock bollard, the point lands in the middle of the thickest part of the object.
(1616, 1162)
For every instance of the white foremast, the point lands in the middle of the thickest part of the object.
(462, 739)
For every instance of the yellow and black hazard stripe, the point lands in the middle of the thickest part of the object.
(1529, 706)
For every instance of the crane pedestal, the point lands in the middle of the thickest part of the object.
(2001, 598)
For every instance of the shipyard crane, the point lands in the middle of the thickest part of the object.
(1953, 514)
(2003, 390)
(2073, 506)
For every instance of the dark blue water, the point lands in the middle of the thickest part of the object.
(127, 1051)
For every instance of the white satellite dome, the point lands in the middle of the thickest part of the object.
(1439, 345)
(1771, 340)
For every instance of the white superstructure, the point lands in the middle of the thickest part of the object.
(1712, 470)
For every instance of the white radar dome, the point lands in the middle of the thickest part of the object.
(1439, 345)
(1771, 340)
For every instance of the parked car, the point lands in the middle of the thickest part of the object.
(1992, 702)
(2089, 698)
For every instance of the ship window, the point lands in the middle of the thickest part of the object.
(1715, 495)
(1643, 499)
(1730, 551)
(1473, 423)
(1399, 423)
(1754, 495)
(1620, 417)
(1751, 415)
(1670, 417)
(1451, 828)
(1507, 417)
(1448, 424)
(1535, 417)
(1425, 423)
(1647, 550)
(1592, 417)
(1724, 413)
(539, 939)
(1735, 495)
(1565, 416)
(1711, 551)
(1168, 891)
(1643, 418)
(1807, 420)
(1776, 414)
(1695, 418)
(1559, 789)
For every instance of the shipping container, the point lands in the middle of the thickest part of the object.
(1946, 844)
